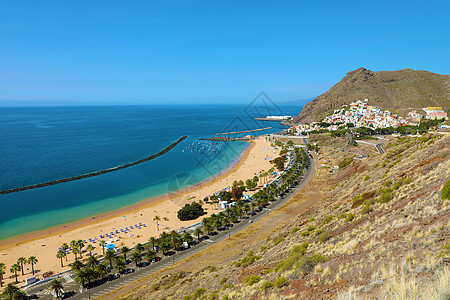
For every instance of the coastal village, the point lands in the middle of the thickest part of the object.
(362, 114)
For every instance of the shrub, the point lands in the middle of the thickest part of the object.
(248, 260)
(294, 230)
(350, 217)
(214, 295)
(251, 280)
(263, 248)
(278, 240)
(307, 264)
(446, 191)
(367, 209)
(445, 250)
(299, 249)
(311, 228)
(223, 280)
(318, 232)
(227, 286)
(345, 162)
(327, 219)
(190, 211)
(385, 197)
(305, 233)
(324, 237)
(198, 293)
(267, 285)
(281, 282)
(366, 178)
(387, 183)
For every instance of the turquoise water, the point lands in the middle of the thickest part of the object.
(48, 143)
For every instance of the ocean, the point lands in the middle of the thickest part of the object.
(40, 144)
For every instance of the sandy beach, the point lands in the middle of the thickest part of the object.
(44, 244)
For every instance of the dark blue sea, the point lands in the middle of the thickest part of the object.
(39, 144)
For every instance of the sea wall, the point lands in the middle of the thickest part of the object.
(96, 173)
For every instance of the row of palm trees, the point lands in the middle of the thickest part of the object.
(17, 267)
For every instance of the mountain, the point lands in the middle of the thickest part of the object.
(399, 91)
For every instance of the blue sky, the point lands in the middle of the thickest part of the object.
(148, 52)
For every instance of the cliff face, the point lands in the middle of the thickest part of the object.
(400, 91)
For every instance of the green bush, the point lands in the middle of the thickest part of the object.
(278, 240)
(446, 191)
(281, 282)
(198, 293)
(267, 285)
(345, 162)
(387, 183)
(223, 280)
(247, 261)
(327, 219)
(214, 295)
(367, 209)
(385, 197)
(318, 232)
(366, 178)
(263, 248)
(294, 230)
(445, 251)
(190, 211)
(311, 228)
(307, 264)
(305, 233)
(324, 237)
(227, 286)
(251, 280)
(350, 217)
(299, 249)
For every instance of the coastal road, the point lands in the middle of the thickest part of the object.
(70, 285)
(379, 148)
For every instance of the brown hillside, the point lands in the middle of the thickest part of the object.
(399, 91)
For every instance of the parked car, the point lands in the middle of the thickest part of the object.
(143, 264)
(128, 271)
(116, 275)
(67, 295)
(156, 259)
(33, 296)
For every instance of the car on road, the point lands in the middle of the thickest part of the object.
(67, 295)
(128, 271)
(33, 296)
(143, 264)
(156, 259)
(116, 275)
(250, 221)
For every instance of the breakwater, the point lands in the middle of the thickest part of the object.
(96, 173)
(235, 132)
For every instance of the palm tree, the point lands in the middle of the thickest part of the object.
(110, 257)
(198, 231)
(65, 247)
(60, 254)
(103, 245)
(75, 250)
(10, 291)
(153, 241)
(119, 264)
(166, 219)
(76, 266)
(80, 244)
(56, 286)
(14, 268)
(150, 255)
(136, 257)
(92, 262)
(139, 247)
(2, 272)
(90, 248)
(82, 277)
(21, 261)
(102, 270)
(124, 251)
(187, 237)
(157, 219)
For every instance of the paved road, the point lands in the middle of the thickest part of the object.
(70, 285)
(379, 148)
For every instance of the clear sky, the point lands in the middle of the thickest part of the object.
(159, 52)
